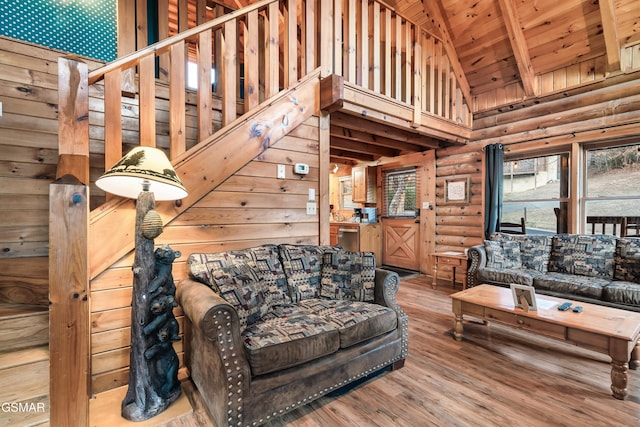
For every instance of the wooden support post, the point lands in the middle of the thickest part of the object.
(69, 309)
(323, 185)
(331, 93)
(73, 119)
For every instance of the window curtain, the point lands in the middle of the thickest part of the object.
(494, 162)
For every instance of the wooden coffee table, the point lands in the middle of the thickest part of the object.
(603, 329)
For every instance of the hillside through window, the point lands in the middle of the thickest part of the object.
(537, 190)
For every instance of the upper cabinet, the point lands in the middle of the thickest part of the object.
(364, 184)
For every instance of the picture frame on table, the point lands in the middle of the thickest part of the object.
(524, 297)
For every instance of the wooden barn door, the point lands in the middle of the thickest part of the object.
(401, 243)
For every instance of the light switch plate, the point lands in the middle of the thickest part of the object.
(311, 208)
(281, 172)
(312, 194)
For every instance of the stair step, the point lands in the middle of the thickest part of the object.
(26, 400)
(23, 326)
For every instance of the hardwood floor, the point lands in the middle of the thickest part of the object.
(497, 376)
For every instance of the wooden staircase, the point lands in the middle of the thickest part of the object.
(24, 365)
(287, 50)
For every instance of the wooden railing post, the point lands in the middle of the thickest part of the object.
(73, 119)
(326, 38)
(69, 310)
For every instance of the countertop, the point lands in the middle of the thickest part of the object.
(351, 224)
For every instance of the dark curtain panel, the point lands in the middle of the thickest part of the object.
(493, 188)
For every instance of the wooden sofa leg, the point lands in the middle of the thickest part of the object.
(397, 364)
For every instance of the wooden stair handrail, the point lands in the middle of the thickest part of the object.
(164, 45)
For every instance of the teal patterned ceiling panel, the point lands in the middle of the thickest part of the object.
(82, 27)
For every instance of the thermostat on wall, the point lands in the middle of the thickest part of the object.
(301, 168)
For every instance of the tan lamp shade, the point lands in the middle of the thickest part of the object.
(141, 167)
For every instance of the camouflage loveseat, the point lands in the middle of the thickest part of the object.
(276, 327)
(601, 269)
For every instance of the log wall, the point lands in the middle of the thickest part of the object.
(251, 208)
(608, 113)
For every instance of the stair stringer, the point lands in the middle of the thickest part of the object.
(205, 167)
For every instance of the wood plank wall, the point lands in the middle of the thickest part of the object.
(29, 147)
(29, 157)
(251, 208)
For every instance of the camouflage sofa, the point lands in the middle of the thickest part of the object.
(276, 327)
(601, 269)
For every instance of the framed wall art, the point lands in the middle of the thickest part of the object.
(456, 190)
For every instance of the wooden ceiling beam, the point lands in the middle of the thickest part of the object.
(342, 161)
(519, 46)
(369, 138)
(610, 33)
(350, 155)
(361, 147)
(363, 125)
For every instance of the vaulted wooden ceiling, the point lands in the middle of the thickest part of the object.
(498, 44)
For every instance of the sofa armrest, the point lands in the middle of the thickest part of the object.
(216, 358)
(478, 258)
(387, 284)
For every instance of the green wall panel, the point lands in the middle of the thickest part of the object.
(83, 27)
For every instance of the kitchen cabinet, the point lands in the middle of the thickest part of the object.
(369, 236)
(364, 184)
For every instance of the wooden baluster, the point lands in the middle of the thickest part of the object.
(326, 33)
(163, 33)
(113, 116)
(375, 59)
(310, 39)
(229, 79)
(272, 69)
(438, 78)
(205, 113)
(417, 82)
(398, 57)
(387, 52)
(251, 62)
(351, 41)
(291, 44)
(432, 75)
(177, 99)
(338, 36)
(363, 45)
(424, 50)
(147, 97)
(446, 76)
(408, 69)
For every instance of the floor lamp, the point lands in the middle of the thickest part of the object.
(146, 174)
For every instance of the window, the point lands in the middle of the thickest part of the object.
(537, 189)
(192, 76)
(346, 187)
(400, 193)
(611, 186)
